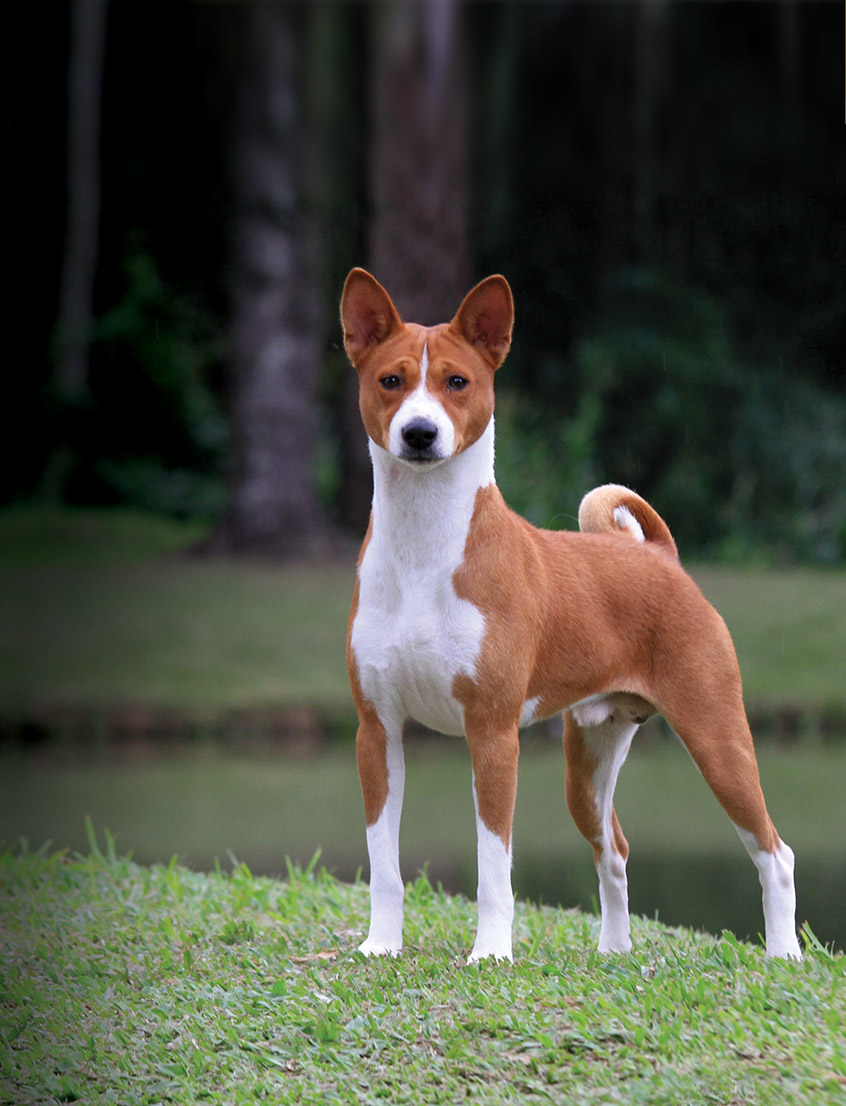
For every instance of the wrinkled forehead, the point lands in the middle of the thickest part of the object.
(443, 342)
(416, 340)
(416, 343)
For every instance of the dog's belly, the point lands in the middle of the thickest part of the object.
(409, 651)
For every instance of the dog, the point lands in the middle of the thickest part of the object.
(471, 621)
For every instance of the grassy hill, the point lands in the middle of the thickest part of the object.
(130, 984)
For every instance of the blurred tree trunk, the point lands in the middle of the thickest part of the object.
(418, 184)
(339, 165)
(79, 264)
(273, 508)
(76, 293)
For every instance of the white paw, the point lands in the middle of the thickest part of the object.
(483, 952)
(785, 950)
(615, 944)
(372, 947)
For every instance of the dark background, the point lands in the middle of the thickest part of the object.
(661, 182)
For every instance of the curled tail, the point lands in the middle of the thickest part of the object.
(613, 509)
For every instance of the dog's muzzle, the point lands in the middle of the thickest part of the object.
(420, 438)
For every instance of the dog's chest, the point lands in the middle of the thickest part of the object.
(411, 636)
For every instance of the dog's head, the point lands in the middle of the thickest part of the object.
(426, 393)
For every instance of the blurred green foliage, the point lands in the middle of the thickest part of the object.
(151, 432)
(744, 464)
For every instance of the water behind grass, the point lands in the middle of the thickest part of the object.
(687, 865)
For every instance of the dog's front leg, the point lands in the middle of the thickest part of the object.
(381, 769)
(494, 794)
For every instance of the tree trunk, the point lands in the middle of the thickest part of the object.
(76, 293)
(418, 183)
(418, 242)
(79, 265)
(273, 507)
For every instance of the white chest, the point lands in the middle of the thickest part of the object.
(412, 635)
(411, 638)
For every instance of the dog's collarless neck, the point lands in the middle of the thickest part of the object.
(418, 512)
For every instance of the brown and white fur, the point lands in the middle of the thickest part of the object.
(471, 621)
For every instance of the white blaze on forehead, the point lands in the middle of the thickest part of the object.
(422, 404)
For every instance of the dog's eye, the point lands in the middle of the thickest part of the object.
(457, 383)
(390, 383)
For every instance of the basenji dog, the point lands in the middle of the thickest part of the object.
(471, 621)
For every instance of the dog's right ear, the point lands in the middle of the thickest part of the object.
(367, 314)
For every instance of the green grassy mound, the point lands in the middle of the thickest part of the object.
(133, 984)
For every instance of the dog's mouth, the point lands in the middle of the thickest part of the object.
(421, 458)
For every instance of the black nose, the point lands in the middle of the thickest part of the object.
(419, 434)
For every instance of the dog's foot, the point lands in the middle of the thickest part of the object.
(371, 947)
(786, 949)
(497, 952)
(618, 946)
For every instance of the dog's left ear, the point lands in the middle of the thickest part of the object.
(486, 317)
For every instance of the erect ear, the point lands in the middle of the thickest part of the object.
(486, 317)
(367, 314)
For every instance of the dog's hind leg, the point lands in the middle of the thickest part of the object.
(381, 768)
(775, 871)
(595, 752)
(720, 744)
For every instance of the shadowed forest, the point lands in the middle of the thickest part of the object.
(662, 184)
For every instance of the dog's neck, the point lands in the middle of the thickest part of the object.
(423, 517)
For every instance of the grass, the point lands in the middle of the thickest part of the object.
(133, 984)
(97, 610)
(40, 537)
(789, 629)
(177, 634)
